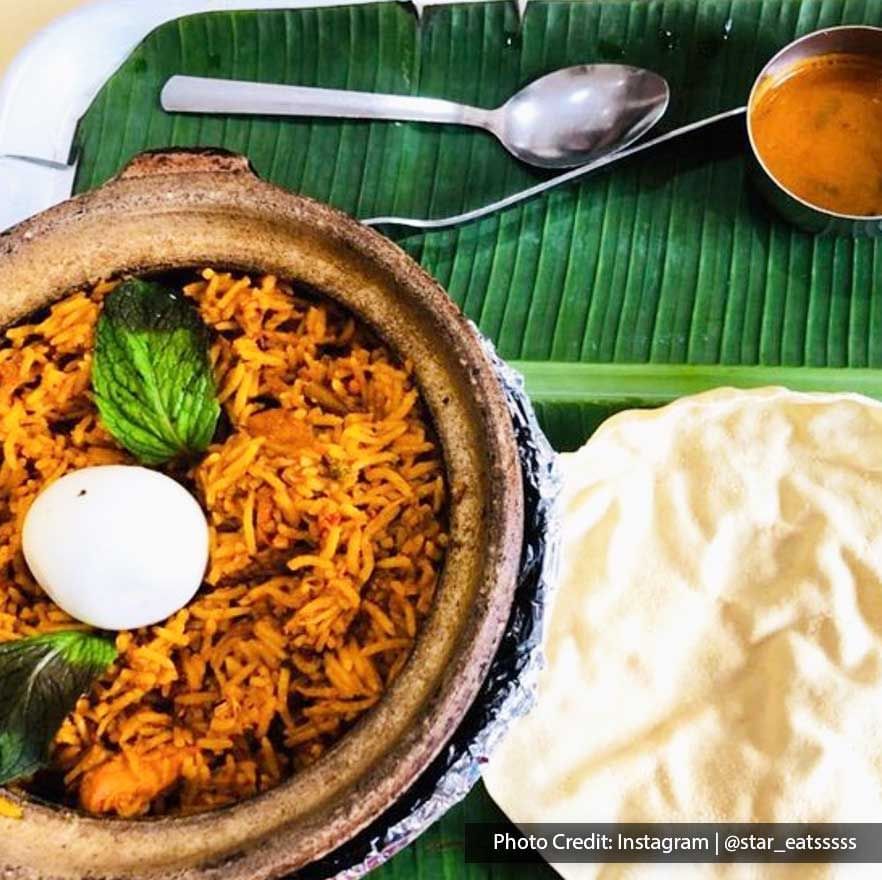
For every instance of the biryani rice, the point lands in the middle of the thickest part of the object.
(325, 502)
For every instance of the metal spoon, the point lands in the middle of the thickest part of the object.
(552, 182)
(561, 120)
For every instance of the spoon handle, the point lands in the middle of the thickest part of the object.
(523, 195)
(196, 94)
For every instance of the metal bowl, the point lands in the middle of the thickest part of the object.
(180, 209)
(852, 39)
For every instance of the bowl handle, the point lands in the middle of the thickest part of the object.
(156, 163)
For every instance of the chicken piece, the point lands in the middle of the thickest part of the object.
(127, 785)
(282, 432)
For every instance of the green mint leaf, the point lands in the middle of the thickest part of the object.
(151, 373)
(41, 679)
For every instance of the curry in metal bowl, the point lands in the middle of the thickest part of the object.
(816, 128)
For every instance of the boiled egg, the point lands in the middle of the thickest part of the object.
(117, 547)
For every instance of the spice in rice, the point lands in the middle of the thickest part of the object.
(325, 497)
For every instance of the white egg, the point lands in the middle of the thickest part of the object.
(117, 547)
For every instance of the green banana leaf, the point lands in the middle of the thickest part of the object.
(605, 291)
(571, 400)
(669, 258)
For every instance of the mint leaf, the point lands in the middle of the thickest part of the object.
(41, 679)
(151, 374)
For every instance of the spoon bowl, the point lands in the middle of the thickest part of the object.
(578, 114)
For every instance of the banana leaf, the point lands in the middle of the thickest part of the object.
(669, 258)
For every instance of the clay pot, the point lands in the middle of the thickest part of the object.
(177, 210)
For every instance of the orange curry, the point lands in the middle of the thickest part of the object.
(818, 130)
